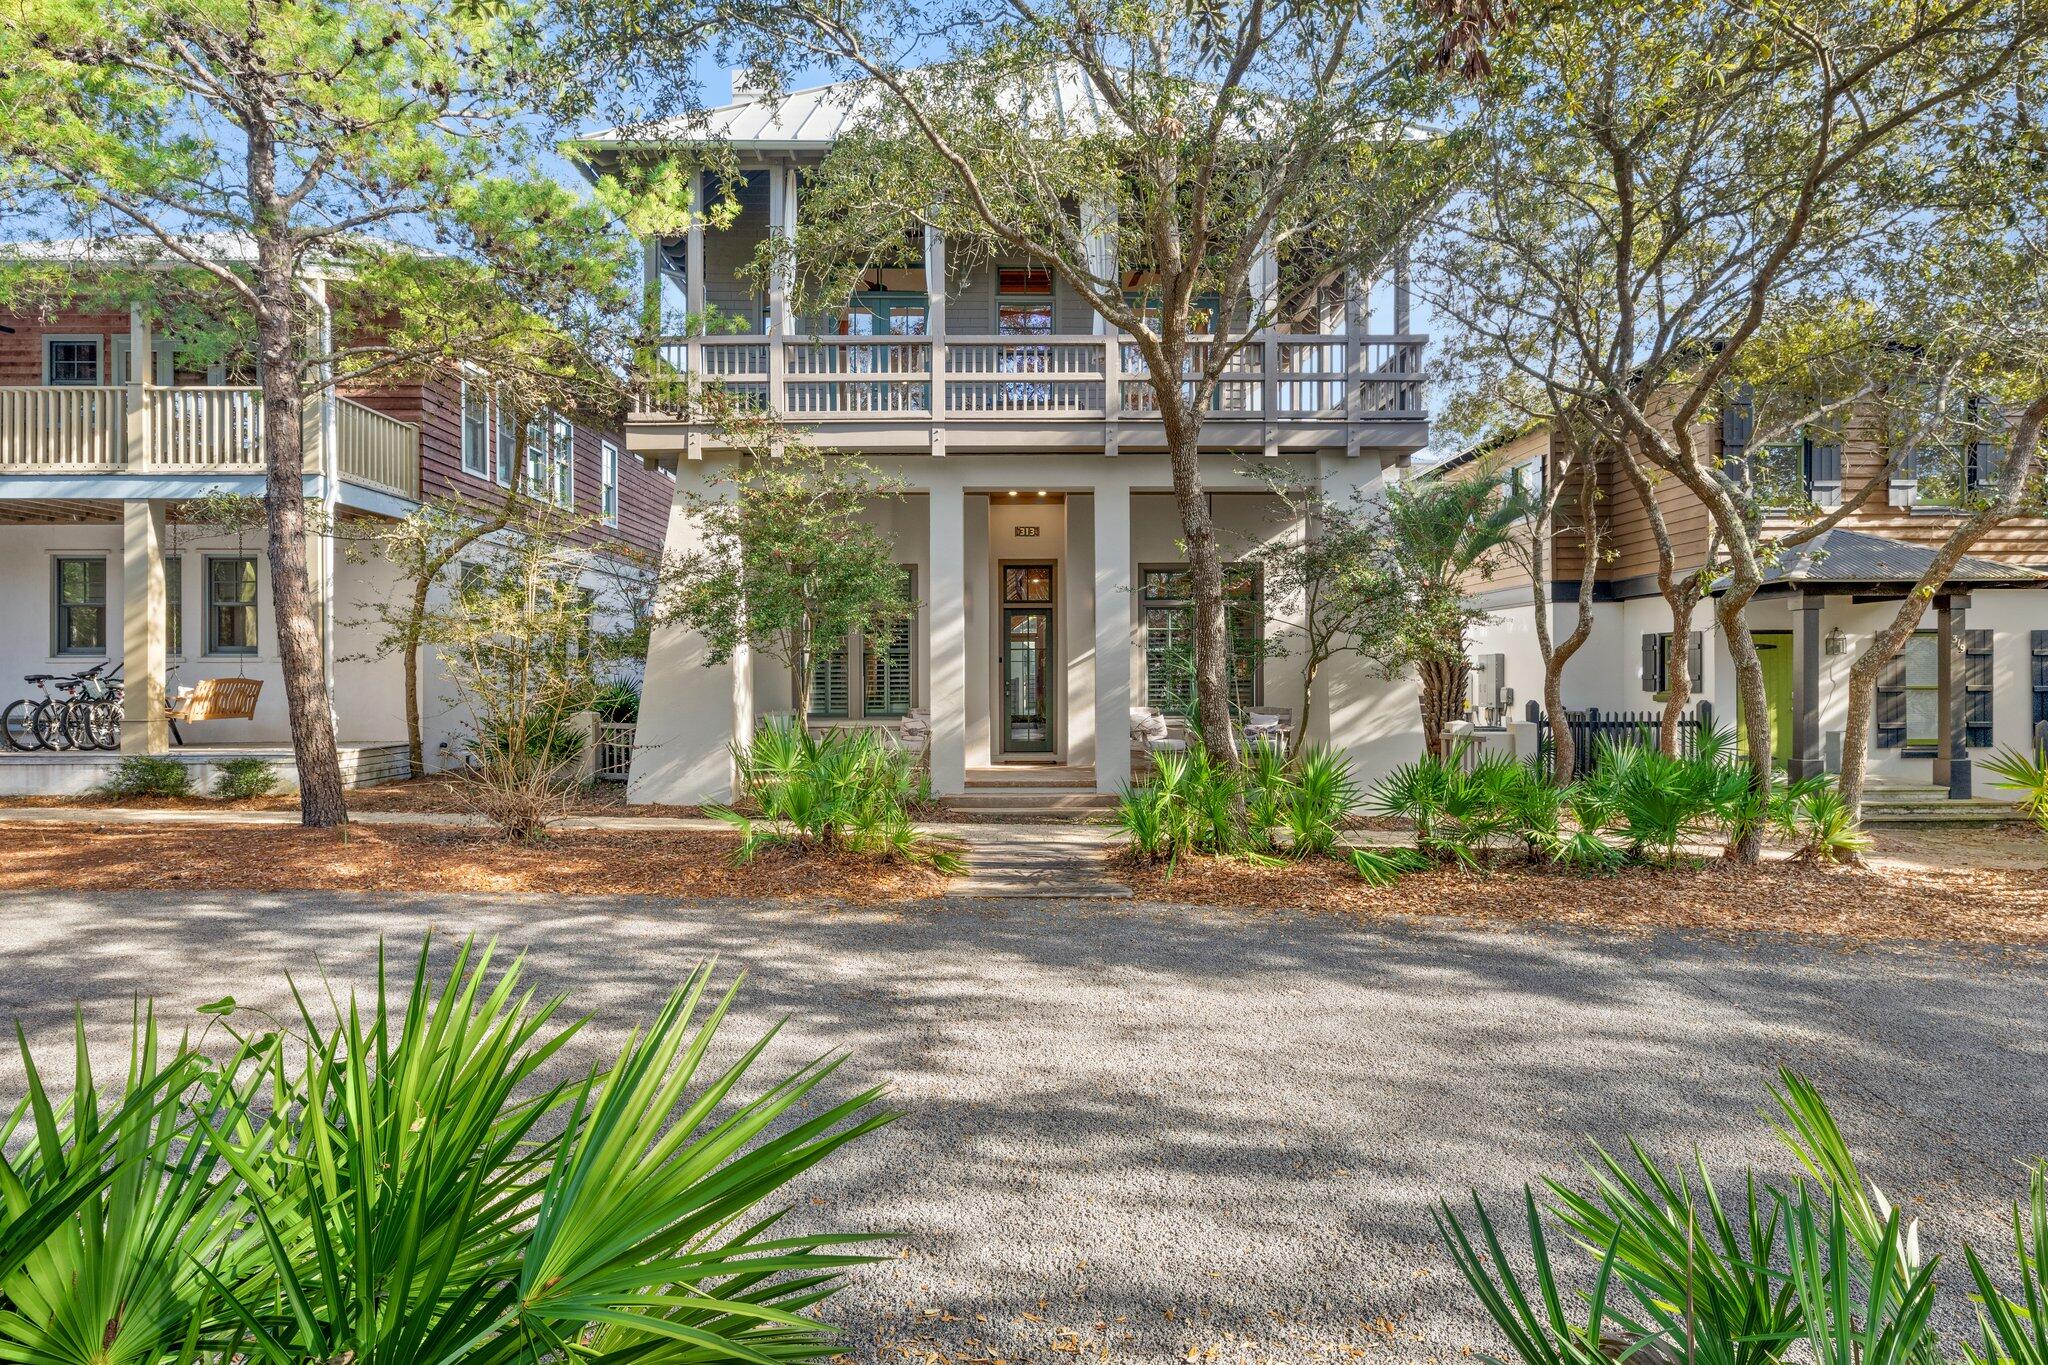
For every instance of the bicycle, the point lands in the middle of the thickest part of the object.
(83, 712)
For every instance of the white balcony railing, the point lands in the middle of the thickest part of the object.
(185, 428)
(1278, 376)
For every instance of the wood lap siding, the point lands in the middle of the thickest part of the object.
(436, 404)
(21, 351)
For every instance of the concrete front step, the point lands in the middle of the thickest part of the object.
(1048, 799)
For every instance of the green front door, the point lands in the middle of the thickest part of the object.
(1774, 649)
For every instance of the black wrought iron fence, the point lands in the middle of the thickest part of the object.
(1593, 725)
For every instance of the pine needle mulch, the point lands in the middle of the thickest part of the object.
(1992, 906)
(423, 795)
(196, 857)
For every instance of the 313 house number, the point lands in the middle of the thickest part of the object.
(1025, 532)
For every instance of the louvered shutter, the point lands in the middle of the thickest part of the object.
(1824, 473)
(1696, 661)
(2040, 679)
(828, 681)
(1977, 688)
(1653, 662)
(888, 673)
(1738, 423)
(1891, 703)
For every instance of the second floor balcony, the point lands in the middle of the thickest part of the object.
(1278, 389)
(190, 429)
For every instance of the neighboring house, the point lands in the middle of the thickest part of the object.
(1936, 705)
(1039, 537)
(97, 455)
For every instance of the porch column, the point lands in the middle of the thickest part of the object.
(145, 617)
(1114, 604)
(948, 615)
(141, 373)
(1805, 759)
(1952, 760)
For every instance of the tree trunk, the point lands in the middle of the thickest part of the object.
(1748, 843)
(1205, 581)
(1680, 595)
(1443, 700)
(307, 702)
(1311, 668)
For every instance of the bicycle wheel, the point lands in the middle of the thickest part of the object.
(48, 721)
(15, 730)
(106, 725)
(78, 729)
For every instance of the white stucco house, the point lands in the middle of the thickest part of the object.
(1039, 535)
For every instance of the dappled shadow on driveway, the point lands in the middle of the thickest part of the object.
(1155, 1128)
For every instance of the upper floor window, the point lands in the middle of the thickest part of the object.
(876, 313)
(1525, 480)
(71, 360)
(508, 442)
(476, 429)
(1024, 301)
(608, 486)
(562, 463)
(1202, 313)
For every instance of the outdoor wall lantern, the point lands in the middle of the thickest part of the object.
(1837, 643)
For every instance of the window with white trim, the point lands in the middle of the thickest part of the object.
(562, 463)
(608, 482)
(508, 442)
(476, 429)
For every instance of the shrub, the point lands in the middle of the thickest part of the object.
(1191, 804)
(849, 789)
(1822, 1268)
(617, 702)
(244, 779)
(403, 1181)
(2026, 774)
(146, 775)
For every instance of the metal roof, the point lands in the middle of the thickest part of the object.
(813, 119)
(1842, 556)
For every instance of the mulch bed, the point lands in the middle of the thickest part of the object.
(195, 857)
(428, 795)
(1984, 905)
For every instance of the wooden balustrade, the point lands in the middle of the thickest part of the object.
(187, 428)
(1056, 378)
(57, 430)
(377, 450)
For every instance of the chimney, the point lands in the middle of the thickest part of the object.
(744, 87)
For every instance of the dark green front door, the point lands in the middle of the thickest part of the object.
(1027, 680)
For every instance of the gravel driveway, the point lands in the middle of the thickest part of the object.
(1133, 1132)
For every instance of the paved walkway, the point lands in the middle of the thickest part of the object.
(1143, 1130)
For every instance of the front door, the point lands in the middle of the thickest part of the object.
(1027, 680)
(1774, 651)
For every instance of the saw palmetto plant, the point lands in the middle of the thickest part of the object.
(422, 1178)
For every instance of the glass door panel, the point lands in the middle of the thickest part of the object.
(1027, 680)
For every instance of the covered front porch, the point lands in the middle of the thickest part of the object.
(1960, 685)
(81, 772)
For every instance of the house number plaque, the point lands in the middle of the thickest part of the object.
(1025, 532)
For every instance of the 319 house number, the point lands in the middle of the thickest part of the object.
(1025, 532)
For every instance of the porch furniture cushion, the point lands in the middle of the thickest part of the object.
(1147, 725)
(216, 699)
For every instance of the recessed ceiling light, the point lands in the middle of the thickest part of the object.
(1013, 492)
(1041, 492)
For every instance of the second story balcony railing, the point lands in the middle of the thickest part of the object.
(184, 429)
(1277, 377)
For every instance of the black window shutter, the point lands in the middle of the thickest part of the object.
(2040, 681)
(1825, 463)
(1738, 422)
(1977, 688)
(1891, 703)
(1696, 661)
(1653, 659)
